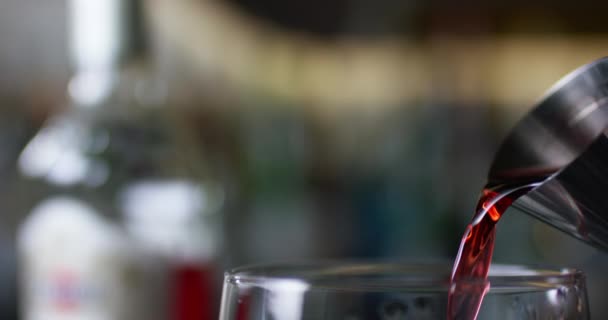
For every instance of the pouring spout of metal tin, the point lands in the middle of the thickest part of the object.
(564, 141)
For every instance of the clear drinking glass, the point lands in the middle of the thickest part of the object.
(353, 291)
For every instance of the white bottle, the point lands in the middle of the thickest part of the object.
(74, 264)
(116, 134)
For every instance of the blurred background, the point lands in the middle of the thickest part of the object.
(262, 130)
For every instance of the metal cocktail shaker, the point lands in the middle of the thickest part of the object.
(564, 140)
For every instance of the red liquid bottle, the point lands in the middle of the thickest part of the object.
(193, 292)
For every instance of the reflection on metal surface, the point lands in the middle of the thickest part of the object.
(573, 153)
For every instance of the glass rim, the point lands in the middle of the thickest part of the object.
(398, 275)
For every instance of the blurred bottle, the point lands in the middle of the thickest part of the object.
(118, 210)
(75, 265)
(172, 219)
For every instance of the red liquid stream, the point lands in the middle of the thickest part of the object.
(469, 277)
